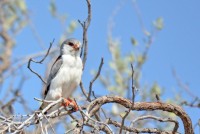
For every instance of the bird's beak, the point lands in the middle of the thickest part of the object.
(76, 47)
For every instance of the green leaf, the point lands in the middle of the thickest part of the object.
(134, 41)
(156, 89)
(140, 59)
(112, 65)
(22, 5)
(52, 8)
(72, 26)
(159, 23)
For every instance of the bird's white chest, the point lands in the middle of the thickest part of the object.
(71, 70)
(68, 76)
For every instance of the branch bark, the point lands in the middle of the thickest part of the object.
(142, 106)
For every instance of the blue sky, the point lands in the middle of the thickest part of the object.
(176, 46)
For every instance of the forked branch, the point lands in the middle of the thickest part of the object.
(40, 62)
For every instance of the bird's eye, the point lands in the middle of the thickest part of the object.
(70, 44)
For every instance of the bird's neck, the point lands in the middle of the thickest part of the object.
(72, 56)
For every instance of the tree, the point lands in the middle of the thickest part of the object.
(116, 112)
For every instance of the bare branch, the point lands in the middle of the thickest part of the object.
(85, 26)
(141, 106)
(176, 125)
(87, 117)
(83, 89)
(133, 101)
(94, 79)
(194, 103)
(132, 84)
(94, 106)
(182, 85)
(40, 62)
(137, 130)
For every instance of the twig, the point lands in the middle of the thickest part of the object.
(182, 85)
(42, 100)
(19, 62)
(40, 62)
(123, 120)
(94, 79)
(83, 89)
(132, 84)
(138, 130)
(176, 125)
(195, 103)
(85, 26)
(49, 123)
(133, 101)
(41, 127)
(70, 130)
(88, 117)
(157, 98)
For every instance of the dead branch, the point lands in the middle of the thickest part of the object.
(94, 79)
(40, 62)
(183, 85)
(138, 130)
(142, 106)
(8, 124)
(176, 125)
(83, 89)
(133, 100)
(194, 103)
(85, 25)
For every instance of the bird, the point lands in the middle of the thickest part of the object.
(65, 74)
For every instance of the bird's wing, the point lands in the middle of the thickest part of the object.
(54, 70)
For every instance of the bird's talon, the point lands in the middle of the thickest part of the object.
(74, 105)
(66, 103)
(69, 102)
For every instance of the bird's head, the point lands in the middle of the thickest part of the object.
(71, 47)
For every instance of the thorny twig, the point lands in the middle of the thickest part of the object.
(40, 62)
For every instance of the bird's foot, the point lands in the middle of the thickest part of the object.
(69, 102)
(65, 102)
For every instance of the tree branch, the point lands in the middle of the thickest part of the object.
(40, 62)
(176, 125)
(94, 79)
(142, 106)
(133, 100)
(85, 26)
